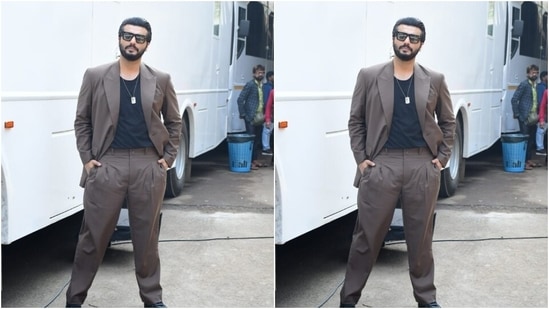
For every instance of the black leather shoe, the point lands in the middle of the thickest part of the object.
(346, 306)
(73, 306)
(156, 305)
(429, 305)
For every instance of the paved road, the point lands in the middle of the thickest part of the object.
(490, 249)
(216, 249)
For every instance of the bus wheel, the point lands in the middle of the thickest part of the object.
(181, 170)
(455, 169)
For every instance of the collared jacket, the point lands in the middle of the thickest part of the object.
(522, 101)
(372, 108)
(248, 101)
(98, 109)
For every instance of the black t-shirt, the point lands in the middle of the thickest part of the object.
(131, 131)
(405, 129)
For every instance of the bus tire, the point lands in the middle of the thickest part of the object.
(181, 171)
(455, 170)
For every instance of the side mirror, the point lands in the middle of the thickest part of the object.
(518, 27)
(243, 28)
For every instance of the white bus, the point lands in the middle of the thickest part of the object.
(209, 48)
(321, 46)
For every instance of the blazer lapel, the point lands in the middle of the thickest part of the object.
(422, 85)
(386, 86)
(111, 83)
(148, 89)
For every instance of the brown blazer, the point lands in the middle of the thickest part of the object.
(372, 112)
(99, 105)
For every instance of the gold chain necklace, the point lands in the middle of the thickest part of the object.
(134, 88)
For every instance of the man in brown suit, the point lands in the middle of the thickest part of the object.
(127, 133)
(399, 148)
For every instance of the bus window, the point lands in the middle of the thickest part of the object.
(241, 40)
(270, 51)
(531, 44)
(256, 42)
(544, 37)
(514, 40)
(217, 18)
(490, 19)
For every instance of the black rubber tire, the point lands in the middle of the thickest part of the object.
(181, 171)
(455, 171)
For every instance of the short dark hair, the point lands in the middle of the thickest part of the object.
(542, 74)
(410, 21)
(269, 74)
(136, 21)
(532, 67)
(258, 67)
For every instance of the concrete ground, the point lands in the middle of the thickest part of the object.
(490, 249)
(216, 249)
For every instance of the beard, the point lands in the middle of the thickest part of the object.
(405, 57)
(128, 56)
(533, 78)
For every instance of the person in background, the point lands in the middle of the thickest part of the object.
(250, 107)
(269, 112)
(542, 85)
(127, 130)
(542, 128)
(401, 128)
(524, 102)
(543, 116)
(267, 128)
(268, 85)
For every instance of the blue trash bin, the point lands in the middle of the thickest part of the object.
(514, 152)
(240, 152)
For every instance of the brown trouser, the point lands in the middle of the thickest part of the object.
(407, 174)
(135, 175)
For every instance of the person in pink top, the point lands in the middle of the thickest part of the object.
(542, 126)
(268, 125)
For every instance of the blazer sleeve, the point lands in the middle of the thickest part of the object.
(83, 122)
(446, 122)
(357, 119)
(242, 99)
(515, 100)
(172, 122)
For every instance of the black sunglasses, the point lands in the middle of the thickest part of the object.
(401, 36)
(128, 36)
